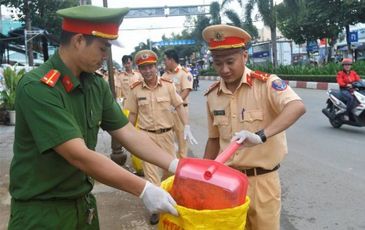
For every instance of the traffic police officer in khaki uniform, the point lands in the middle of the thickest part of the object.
(151, 100)
(128, 76)
(255, 109)
(60, 107)
(183, 81)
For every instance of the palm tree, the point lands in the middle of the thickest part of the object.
(268, 13)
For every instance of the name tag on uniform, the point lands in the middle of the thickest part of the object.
(219, 112)
(142, 98)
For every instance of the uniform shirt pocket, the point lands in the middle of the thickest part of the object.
(163, 103)
(222, 122)
(95, 118)
(252, 119)
(143, 104)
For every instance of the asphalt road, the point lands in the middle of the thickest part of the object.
(323, 176)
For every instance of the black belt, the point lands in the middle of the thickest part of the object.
(158, 131)
(258, 171)
(185, 104)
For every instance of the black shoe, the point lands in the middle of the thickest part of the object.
(154, 219)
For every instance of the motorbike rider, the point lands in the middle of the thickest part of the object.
(195, 72)
(345, 78)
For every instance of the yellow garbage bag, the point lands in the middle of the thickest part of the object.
(191, 219)
(136, 162)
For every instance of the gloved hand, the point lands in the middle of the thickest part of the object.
(247, 138)
(173, 165)
(188, 134)
(157, 200)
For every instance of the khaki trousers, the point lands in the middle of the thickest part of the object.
(178, 128)
(165, 141)
(265, 193)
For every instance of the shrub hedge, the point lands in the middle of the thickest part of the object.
(325, 73)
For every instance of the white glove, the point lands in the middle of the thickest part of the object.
(247, 138)
(173, 165)
(188, 134)
(157, 200)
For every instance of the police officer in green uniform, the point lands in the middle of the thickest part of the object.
(60, 107)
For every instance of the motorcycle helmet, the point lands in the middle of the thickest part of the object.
(347, 61)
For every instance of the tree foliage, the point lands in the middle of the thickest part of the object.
(42, 12)
(305, 20)
(248, 23)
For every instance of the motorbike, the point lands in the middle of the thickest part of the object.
(195, 74)
(336, 108)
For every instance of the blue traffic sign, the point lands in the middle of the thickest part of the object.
(353, 36)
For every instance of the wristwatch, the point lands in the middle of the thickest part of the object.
(261, 134)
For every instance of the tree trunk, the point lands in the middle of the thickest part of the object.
(45, 48)
(348, 41)
(28, 29)
(274, 47)
(273, 35)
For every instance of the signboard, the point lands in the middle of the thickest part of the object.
(174, 42)
(353, 36)
(312, 46)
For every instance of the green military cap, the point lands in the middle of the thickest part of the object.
(93, 20)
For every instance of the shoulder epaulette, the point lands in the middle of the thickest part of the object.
(51, 78)
(262, 76)
(211, 87)
(135, 84)
(164, 79)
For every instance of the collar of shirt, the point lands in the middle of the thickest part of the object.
(144, 84)
(245, 79)
(68, 79)
(178, 67)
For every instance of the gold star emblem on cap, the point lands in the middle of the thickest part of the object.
(218, 36)
(144, 56)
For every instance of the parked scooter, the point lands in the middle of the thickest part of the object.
(336, 109)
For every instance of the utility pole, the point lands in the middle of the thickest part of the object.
(110, 63)
(28, 27)
(118, 155)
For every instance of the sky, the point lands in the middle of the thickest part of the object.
(134, 31)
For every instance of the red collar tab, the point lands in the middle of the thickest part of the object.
(249, 80)
(67, 83)
(260, 75)
(176, 69)
(51, 78)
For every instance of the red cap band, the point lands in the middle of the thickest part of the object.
(89, 28)
(227, 42)
(150, 59)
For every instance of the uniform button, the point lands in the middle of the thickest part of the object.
(234, 116)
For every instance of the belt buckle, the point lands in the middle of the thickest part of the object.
(158, 131)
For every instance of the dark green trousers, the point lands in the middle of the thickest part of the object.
(80, 214)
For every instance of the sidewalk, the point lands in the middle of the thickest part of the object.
(293, 84)
(117, 209)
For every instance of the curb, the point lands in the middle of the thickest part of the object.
(293, 84)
